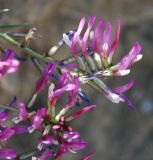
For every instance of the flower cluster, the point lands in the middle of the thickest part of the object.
(91, 58)
(57, 137)
(93, 53)
(8, 64)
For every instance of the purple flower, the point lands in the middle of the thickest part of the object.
(7, 153)
(119, 91)
(20, 129)
(4, 113)
(101, 45)
(23, 115)
(47, 139)
(46, 75)
(122, 68)
(93, 52)
(63, 85)
(116, 95)
(6, 134)
(100, 42)
(54, 95)
(86, 36)
(73, 93)
(79, 113)
(63, 80)
(37, 119)
(72, 142)
(76, 39)
(8, 64)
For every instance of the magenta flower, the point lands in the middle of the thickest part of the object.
(93, 51)
(4, 113)
(79, 113)
(73, 93)
(122, 68)
(20, 129)
(100, 44)
(63, 85)
(6, 134)
(47, 139)
(63, 80)
(72, 142)
(7, 153)
(116, 95)
(8, 64)
(23, 115)
(46, 75)
(37, 119)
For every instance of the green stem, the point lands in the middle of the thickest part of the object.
(27, 50)
(4, 26)
(8, 107)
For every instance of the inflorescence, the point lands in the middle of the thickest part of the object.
(92, 50)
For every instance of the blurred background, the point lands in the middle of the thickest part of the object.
(113, 131)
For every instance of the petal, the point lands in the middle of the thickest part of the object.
(21, 129)
(68, 87)
(129, 103)
(112, 96)
(79, 113)
(56, 127)
(8, 54)
(116, 37)
(76, 145)
(86, 35)
(45, 76)
(128, 60)
(7, 153)
(47, 139)
(70, 135)
(6, 134)
(125, 87)
(8, 66)
(63, 80)
(37, 119)
(4, 115)
(22, 111)
(12, 66)
(73, 93)
(97, 35)
(42, 112)
(77, 37)
(114, 45)
(106, 39)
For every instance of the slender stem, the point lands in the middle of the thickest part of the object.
(3, 26)
(8, 107)
(27, 50)
(37, 65)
